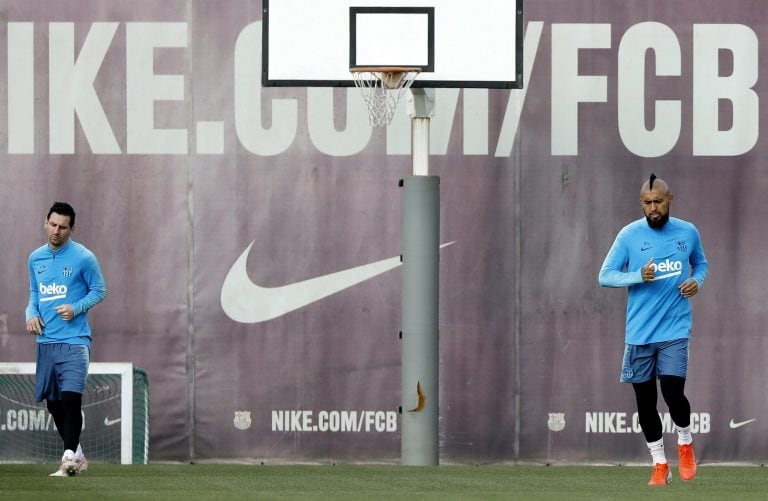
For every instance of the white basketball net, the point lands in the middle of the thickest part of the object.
(382, 90)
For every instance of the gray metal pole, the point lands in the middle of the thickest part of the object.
(419, 442)
(420, 345)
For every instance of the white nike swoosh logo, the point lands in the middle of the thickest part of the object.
(738, 425)
(110, 422)
(246, 302)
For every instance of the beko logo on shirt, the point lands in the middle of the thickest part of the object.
(667, 265)
(57, 291)
(668, 268)
(53, 289)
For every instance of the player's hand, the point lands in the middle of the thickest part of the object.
(648, 272)
(35, 326)
(689, 288)
(65, 311)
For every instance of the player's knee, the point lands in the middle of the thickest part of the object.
(672, 388)
(645, 394)
(54, 406)
(71, 400)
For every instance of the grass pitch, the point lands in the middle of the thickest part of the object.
(232, 482)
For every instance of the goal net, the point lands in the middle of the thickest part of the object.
(115, 416)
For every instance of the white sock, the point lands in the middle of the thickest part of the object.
(79, 452)
(68, 455)
(684, 436)
(657, 451)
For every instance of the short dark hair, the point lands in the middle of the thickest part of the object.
(63, 209)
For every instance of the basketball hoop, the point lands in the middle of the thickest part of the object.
(381, 88)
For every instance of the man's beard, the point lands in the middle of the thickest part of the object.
(658, 224)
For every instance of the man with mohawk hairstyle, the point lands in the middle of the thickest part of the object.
(661, 261)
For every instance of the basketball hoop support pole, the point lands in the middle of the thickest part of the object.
(422, 108)
(419, 442)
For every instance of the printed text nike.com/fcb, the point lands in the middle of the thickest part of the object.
(335, 421)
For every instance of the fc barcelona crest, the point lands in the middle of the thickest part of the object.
(67, 271)
(242, 420)
(556, 421)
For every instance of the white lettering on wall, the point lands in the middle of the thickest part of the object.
(719, 96)
(635, 134)
(709, 88)
(568, 87)
(248, 104)
(145, 87)
(71, 91)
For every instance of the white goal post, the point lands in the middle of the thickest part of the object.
(25, 423)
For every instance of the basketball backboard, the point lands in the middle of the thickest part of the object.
(455, 43)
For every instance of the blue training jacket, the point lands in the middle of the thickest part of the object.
(656, 311)
(71, 275)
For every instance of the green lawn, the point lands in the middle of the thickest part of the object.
(199, 482)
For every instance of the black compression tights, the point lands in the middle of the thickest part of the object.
(68, 417)
(673, 391)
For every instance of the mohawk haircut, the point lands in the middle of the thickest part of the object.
(650, 182)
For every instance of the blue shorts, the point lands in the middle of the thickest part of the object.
(60, 367)
(644, 362)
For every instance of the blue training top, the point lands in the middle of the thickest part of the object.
(71, 275)
(656, 311)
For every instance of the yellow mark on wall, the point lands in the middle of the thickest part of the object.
(422, 399)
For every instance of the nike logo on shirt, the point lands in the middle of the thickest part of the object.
(246, 302)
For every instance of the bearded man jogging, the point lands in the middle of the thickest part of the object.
(661, 261)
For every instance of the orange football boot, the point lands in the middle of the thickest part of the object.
(687, 461)
(660, 474)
